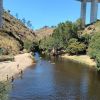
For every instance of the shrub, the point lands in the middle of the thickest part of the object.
(94, 48)
(47, 43)
(85, 38)
(4, 89)
(78, 23)
(75, 47)
(27, 45)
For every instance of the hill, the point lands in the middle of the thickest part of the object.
(44, 32)
(14, 36)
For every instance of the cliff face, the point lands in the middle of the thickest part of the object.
(14, 36)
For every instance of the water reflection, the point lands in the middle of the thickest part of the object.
(63, 80)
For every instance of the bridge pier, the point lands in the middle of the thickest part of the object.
(94, 10)
(83, 11)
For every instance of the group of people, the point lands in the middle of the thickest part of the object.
(12, 78)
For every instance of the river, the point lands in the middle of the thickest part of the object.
(56, 79)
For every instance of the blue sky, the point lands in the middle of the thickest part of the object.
(46, 12)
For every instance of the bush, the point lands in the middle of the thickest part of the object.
(75, 47)
(78, 23)
(4, 89)
(85, 38)
(27, 45)
(94, 48)
(47, 43)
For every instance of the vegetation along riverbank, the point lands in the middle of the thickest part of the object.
(4, 90)
(72, 39)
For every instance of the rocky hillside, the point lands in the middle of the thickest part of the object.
(14, 36)
(92, 28)
(44, 32)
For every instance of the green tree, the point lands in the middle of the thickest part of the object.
(9, 11)
(94, 48)
(61, 36)
(17, 16)
(85, 38)
(64, 32)
(78, 23)
(29, 24)
(75, 47)
(24, 21)
(47, 43)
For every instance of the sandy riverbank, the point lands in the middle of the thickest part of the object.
(11, 68)
(84, 59)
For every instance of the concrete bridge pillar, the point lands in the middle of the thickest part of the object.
(83, 12)
(1, 12)
(94, 10)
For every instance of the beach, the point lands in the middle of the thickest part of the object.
(84, 59)
(12, 68)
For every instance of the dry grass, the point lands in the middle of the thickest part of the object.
(91, 29)
(14, 34)
(44, 32)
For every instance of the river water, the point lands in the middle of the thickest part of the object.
(57, 79)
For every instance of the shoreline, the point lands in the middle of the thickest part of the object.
(82, 59)
(12, 68)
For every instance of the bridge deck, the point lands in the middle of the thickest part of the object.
(87, 0)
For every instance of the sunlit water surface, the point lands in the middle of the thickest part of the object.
(57, 79)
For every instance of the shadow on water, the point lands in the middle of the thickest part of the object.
(57, 79)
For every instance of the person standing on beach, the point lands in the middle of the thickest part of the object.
(21, 73)
(12, 79)
(7, 78)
